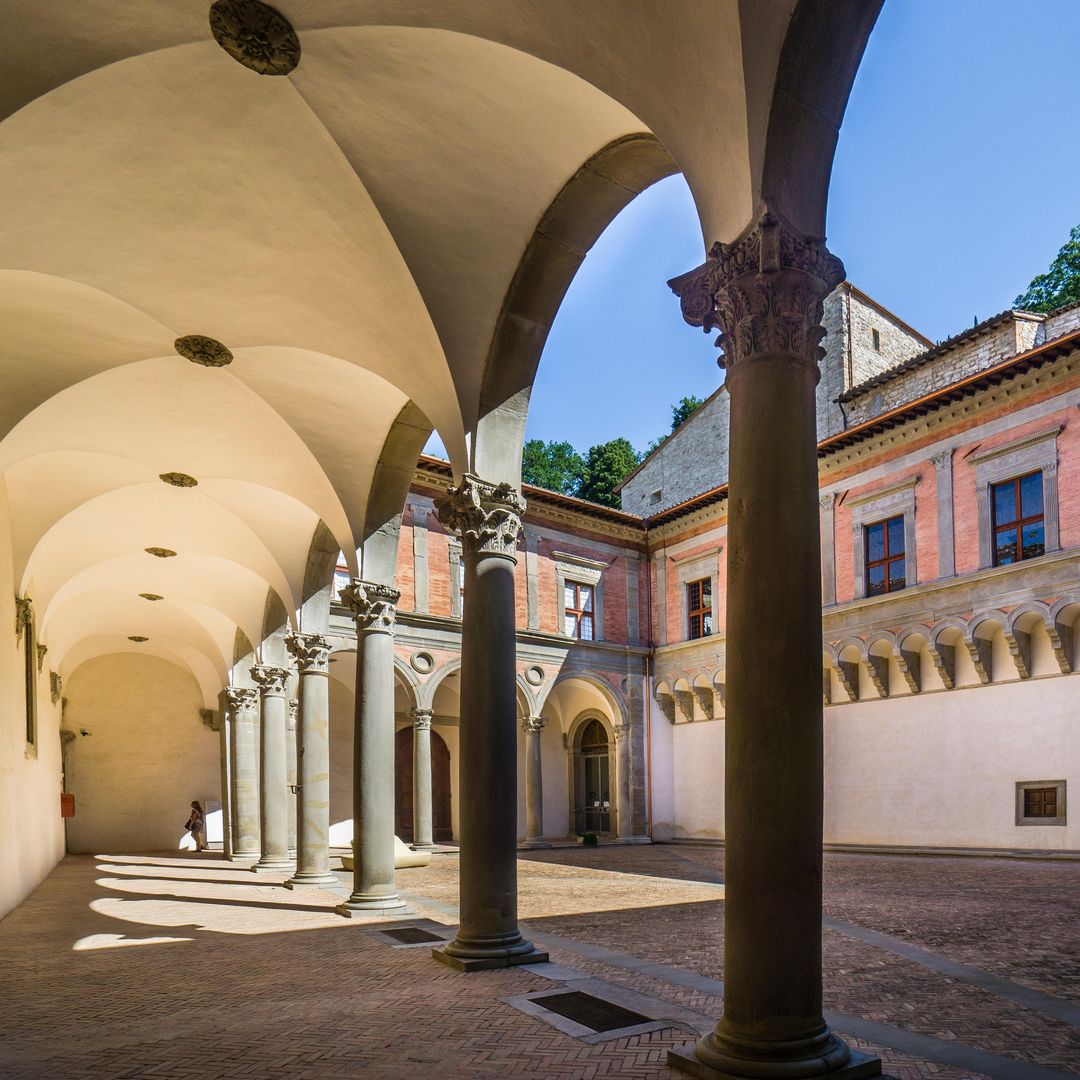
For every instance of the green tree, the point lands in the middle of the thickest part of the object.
(606, 466)
(684, 409)
(556, 466)
(1060, 285)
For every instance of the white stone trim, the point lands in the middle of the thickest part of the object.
(1017, 444)
(581, 571)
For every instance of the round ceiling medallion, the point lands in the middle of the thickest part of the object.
(137, 637)
(161, 553)
(203, 350)
(151, 596)
(422, 662)
(255, 35)
(534, 675)
(178, 479)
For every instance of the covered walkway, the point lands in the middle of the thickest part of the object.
(168, 966)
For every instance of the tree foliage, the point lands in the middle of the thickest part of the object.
(556, 466)
(1060, 285)
(606, 466)
(684, 409)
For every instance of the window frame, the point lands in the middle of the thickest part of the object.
(579, 612)
(888, 558)
(1019, 522)
(571, 568)
(1023, 786)
(1019, 458)
(895, 500)
(700, 612)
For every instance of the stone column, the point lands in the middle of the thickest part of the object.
(488, 517)
(373, 892)
(764, 292)
(243, 703)
(533, 726)
(421, 784)
(274, 769)
(624, 809)
(312, 652)
(290, 769)
(225, 736)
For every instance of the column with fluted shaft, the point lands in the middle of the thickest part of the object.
(421, 790)
(488, 519)
(312, 652)
(274, 792)
(533, 726)
(764, 292)
(243, 703)
(624, 811)
(374, 893)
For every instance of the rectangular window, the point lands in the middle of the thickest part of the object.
(876, 338)
(1017, 508)
(699, 608)
(342, 578)
(1040, 802)
(578, 610)
(885, 556)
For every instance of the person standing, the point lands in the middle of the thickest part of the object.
(197, 826)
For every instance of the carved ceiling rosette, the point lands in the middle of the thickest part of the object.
(241, 698)
(764, 292)
(256, 35)
(372, 605)
(203, 350)
(488, 516)
(312, 651)
(271, 679)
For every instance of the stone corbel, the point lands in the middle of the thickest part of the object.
(705, 699)
(667, 705)
(208, 716)
(1061, 641)
(981, 651)
(41, 651)
(847, 672)
(56, 686)
(24, 615)
(910, 664)
(944, 658)
(685, 700)
(1019, 644)
(826, 686)
(877, 667)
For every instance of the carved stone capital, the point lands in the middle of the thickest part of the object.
(826, 501)
(371, 604)
(294, 711)
(533, 725)
(764, 292)
(488, 516)
(421, 719)
(942, 459)
(312, 651)
(24, 615)
(241, 698)
(56, 687)
(622, 731)
(271, 679)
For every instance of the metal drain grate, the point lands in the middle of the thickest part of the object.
(591, 1012)
(411, 935)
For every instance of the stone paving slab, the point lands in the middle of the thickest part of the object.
(148, 967)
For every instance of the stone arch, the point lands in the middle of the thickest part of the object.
(1062, 628)
(430, 686)
(878, 652)
(848, 656)
(406, 677)
(979, 636)
(583, 761)
(318, 586)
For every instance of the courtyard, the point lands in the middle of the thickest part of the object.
(177, 965)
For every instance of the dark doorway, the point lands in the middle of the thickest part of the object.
(592, 795)
(441, 827)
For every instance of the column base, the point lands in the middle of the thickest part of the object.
(272, 867)
(367, 907)
(633, 840)
(858, 1066)
(244, 858)
(534, 844)
(311, 881)
(478, 957)
(422, 847)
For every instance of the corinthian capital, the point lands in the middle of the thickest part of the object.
(533, 725)
(312, 651)
(421, 719)
(764, 292)
(271, 679)
(371, 604)
(488, 516)
(241, 698)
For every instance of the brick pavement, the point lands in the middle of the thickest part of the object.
(188, 967)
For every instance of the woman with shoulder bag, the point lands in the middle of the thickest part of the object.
(196, 825)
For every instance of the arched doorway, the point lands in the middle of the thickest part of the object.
(441, 828)
(592, 778)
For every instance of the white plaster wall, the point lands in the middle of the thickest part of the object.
(32, 839)
(661, 749)
(698, 761)
(554, 761)
(147, 756)
(940, 769)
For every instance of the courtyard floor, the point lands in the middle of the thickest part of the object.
(185, 966)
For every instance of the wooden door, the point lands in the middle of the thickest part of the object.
(403, 788)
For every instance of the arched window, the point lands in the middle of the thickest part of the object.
(593, 779)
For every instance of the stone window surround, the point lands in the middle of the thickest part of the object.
(696, 568)
(1032, 453)
(879, 505)
(582, 571)
(1024, 785)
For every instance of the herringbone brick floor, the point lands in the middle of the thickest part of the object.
(187, 967)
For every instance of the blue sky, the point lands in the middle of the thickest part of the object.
(956, 180)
